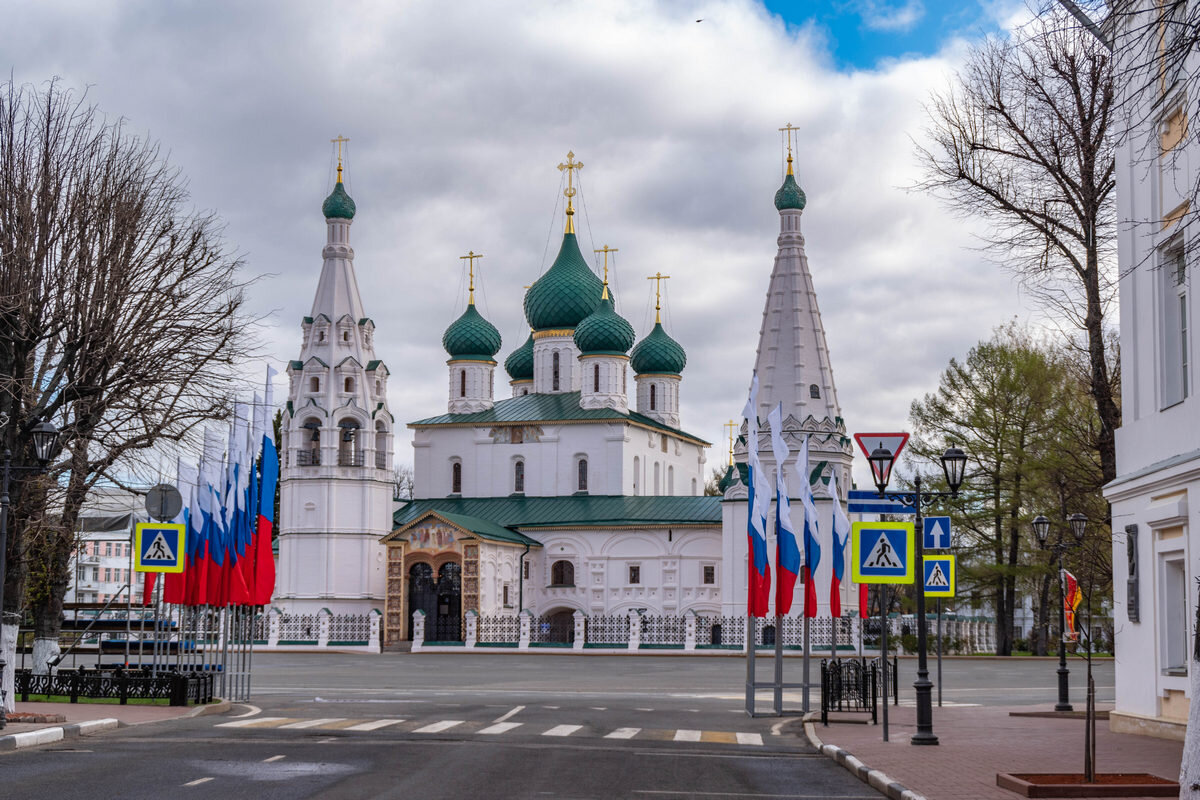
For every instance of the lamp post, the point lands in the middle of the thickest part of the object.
(1041, 529)
(45, 437)
(954, 463)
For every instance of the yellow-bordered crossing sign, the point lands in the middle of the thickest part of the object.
(883, 552)
(158, 547)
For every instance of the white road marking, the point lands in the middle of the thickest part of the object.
(683, 735)
(555, 708)
(500, 727)
(242, 723)
(562, 730)
(750, 738)
(198, 781)
(273, 758)
(373, 725)
(624, 733)
(327, 741)
(438, 727)
(312, 723)
(511, 711)
(599, 708)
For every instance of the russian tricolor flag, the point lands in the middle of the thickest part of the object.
(758, 600)
(787, 550)
(812, 546)
(841, 536)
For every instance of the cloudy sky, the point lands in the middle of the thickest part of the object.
(459, 112)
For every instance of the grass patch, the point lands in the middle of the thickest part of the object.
(110, 701)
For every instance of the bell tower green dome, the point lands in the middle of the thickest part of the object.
(566, 294)
(338, 205)
(519, 363)
(790, 195)
(604, 332)
(471, 337)
(658, 353)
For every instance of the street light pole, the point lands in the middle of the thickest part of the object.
(1041, 529)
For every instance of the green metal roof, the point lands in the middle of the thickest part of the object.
(485, 529)
(471, 337)
(566, 294)
(790, 195)
(604, 331)
(549, 408)
(297, 364)
(338, 205)
(658, 353)
(519, 363)
(374, 364)
(560, 512)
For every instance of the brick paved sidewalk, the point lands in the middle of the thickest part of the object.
(82, 712)
(978, 742)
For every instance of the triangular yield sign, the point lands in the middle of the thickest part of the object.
(895, 442)
(883, 555)
(158, 549)
(938, 578)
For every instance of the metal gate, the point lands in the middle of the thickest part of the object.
(447, 622)
(422, 594)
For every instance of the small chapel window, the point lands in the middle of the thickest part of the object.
(456, 478)
(652, 397)
(635, 573)
(710, 575)
(554, 373)
(814, 392)
(462, 383)
(349, 385)
(596, 378)
(345, 336)
(314, 384)
(519, 477)
(583, 476)
(562, 573)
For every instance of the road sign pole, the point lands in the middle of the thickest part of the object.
(883, 652)
(922, 684)
(939, 650)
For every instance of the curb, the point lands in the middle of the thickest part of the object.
(876, 779)
(219, 707)
(18, 741)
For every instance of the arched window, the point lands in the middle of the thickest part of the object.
(314, 384)
(309, 454)
(380, 446)
(519, 477)
(349, 385)
(345, 336)
(562, 573)
(596, 378)
(814, 391)
(350, 453)
(581, 484)
(456, 478)
(462, 383)
(637, 464)
(554, 372)
(652, 397)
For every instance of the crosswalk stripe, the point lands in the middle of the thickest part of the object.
(438, 727)
(683, 735)
(749, 738)
(256, 722)
(718, 737)
(623, 733)
(374, 725)
(562, 730)
(500, 727)
(312, 723)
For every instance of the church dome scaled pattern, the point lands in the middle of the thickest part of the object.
(658, 353)
(519, 363)
(790, 195)
(471, 337)
(338, 205)
(604, 332)
(566, 294)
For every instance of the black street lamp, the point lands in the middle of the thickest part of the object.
(1041, 529)
(45, 437)
(954, 464)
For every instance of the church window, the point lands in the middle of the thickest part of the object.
(519, 477)
(670, 480)
(1174, 328)
(314, 384)
(462, 383)
(380, 446)
(507, 602)
(562, 573)
(349, 385)
(623, 383)
(345, 336)
(709, 577)
(350, 452)
(321, 336)
(378, 386)
(635, 573)
(814, 391)
(652, 396)
(525, 570)
(456, 478)
(596, 378)
(582, 483)
(554, 372)
(636, 471)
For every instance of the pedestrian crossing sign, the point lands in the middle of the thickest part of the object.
(939, 576)
(882, 552)
(158, 547)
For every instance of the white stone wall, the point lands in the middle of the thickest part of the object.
(544, 348)
(666, 398)
(611, 392)
(479, 386)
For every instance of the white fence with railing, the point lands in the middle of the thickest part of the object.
(284, 631)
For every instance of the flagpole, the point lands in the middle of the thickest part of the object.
(807, 674)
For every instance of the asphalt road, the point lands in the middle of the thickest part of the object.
(486, 726)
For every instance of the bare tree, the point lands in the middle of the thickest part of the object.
(1022, 140)
(121, 318)
(402, 482)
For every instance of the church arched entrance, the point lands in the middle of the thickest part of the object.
(422, 594)
(448, 622)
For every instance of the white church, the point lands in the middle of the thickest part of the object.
(561, 497)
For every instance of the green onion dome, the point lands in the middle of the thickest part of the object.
(790, 195)
(471, 337)
(338, 205)
(658, 353)
(519, 363)
(604, 332)
(566, 294)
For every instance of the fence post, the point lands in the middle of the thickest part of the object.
(274, 617)
(526, 625)
(324, 620)
(689, 630)
(472, 628)
(123, 685)
(418, 630)
(75, 678)
(376, 620)
(635, 629)
(580, 630)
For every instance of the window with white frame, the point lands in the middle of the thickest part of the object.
(1173, 616)
(708, 574)
(635, 573)
(1175, 350)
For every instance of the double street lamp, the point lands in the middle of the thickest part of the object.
(45, 438)
(1041, 529)
(954, 465)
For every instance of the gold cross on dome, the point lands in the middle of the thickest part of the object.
(570, 166)
(732, 427)
(470, 259)
(789, 128)
(339, 141)
(659, 277)
(606, 250)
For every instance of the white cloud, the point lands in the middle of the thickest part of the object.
(458, 114)
(881, 15)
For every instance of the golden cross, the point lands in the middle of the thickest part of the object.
(732, 427)
(470, 259)
(659, 277)
(606, 250)
(789, 128)
(339, 140)
(570, 167)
